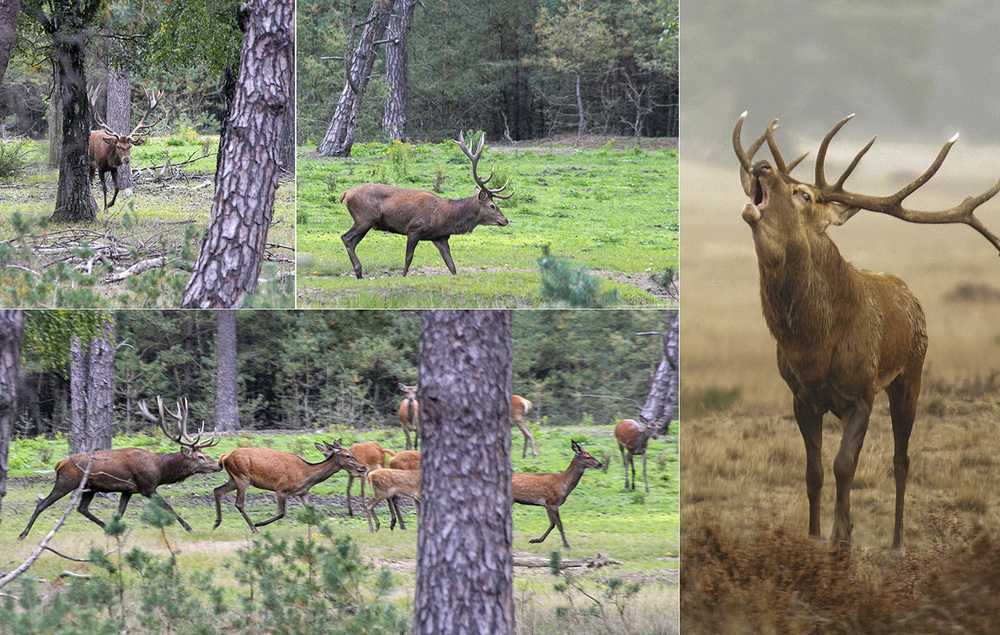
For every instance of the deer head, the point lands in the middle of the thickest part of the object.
(488, 208)
(190, 448)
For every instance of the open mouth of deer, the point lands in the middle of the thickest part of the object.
(757, 195)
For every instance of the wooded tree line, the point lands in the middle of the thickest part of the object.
(304, 369)
(517, 69)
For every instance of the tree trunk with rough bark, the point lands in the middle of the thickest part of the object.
(119, 116)
(226, 409)
(661, 404)
(79, 372)
(394, 118)
(55, 122)
(228, 264)
(465, 534)
(9, 11)
(11, 340)
(340, 134)
(92, 388)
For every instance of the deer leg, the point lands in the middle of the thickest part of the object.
(56, 493)
(84, 507)
(811, 426)
(844, 466)
(645, 482)
(123, 502)
(350, 481)
(114, 179)
(170, 509)
(903, 394)
(621, 449)
(411, 244)
(281, 511)
(104, 188)
(219, 492)
(370, 513)
(351, 239)
(527, 437)
(442, 245)
(406, 431)
(241, 496)
(398, 514)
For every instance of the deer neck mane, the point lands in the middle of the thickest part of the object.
(174, 467)
(463, 214)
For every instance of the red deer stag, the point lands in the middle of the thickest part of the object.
(519, 407)
(372, 455)
(386, 485)
(279, 472)
(132, 470)
(843, 334)
(633, 437)
(420, 215)
(110, 150)
(409, 416)
(551, 490)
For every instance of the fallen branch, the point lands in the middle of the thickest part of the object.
(144, 265)
(566, 563)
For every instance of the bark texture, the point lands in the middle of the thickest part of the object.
(228, 264)
(119, 116)
(394, 119)
(464, 542)
(339, 136)
(661, 402)
(92, 387)
(9, 9)
(11, 339)
(226, 409)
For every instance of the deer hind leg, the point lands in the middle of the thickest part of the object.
(104, 188)
(170, 509)
(84, 507)
(844, 466)
(527, 438)
(123, 502)
(644, 481)
(903, 395)
(370, 512)
(411, 244)
(56, 493)
(442, 245)
(621, 449)
(351, 239)
(553, 513)
(219, 492)
(811, 426)
(281, 511)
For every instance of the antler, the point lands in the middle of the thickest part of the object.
(91, 96)
(180, 416)
(142, 125)
(746, 155)
(474, 157)
(893, 204)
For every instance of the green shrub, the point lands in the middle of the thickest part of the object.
(13, 159)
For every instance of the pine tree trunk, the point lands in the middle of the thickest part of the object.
(11, 339)
(74, 201)
(226, 409)
(288, 142)
(394, 119)
(228, 264)
(661, 402)
(8, 33)
(340, 135)
(101, 384)
(55, 122)
(465, 535)
(119, 116)
(79, 373)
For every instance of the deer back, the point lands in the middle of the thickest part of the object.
(134, 469)
(405, 460)
(369, 453)
(419, 213)
(633, 435)
(552, 489)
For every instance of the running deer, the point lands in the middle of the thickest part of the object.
(633, 437)
(409, 416)
(421, 215)
(386, 485)
(110, 150)
(372, 455)
(551, 490)
(279, 472)
(519, 407)
(133, 470)
(843, 334)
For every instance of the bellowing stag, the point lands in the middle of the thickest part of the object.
(420, 215)
(110, 150)
(843, 334)
(132, 470)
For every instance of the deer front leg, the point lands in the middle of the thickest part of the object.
(114, 180)
(811, 426)
(104, 188)
(411, 244)
(644, 481)
(844, 466)
(370, 513)
(84, 508)
(123, 502)
(442, 245)
(42, 505)
(350, 482)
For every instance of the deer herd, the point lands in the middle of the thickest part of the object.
(389, 474)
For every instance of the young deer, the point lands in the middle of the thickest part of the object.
(519, 407)
(372, 456)
(551, 490)
(409, 416)
(633, 437)
(843, 334)
(280, 472)
(420, 215)
(405, 460)
(386, 485)
(132, 470)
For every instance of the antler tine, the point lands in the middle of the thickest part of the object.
(798, 160)
(743, 155)
(474, 158)
(142, 125)
(779, 162)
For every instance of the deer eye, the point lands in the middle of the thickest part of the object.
(805, 196)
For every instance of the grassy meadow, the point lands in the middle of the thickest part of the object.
(610, 207)
(167, 214)
(600, 517)
(748, 563)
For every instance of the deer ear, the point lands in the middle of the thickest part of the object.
(110, 140)
(840, 214)
(321, 447)
(484, 196)
(576, 447)
(139, 141)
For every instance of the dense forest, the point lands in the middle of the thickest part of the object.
(315, 369)
(517, 69)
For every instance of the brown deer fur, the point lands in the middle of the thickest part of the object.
(386, 485)
(280, 472)
(551, 490)
(110, 150)
(633, 437)
(519, 407)
(409, 416)
(372, 456)
(405, 460)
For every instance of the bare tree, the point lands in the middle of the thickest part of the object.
(464, 558)
(226, 410)
(228, 264)
(394, 118)
(11, 340)
(661, 402)
(92, 384)
(8, 32)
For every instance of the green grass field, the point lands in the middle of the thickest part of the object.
(600, 517)
(613, 211)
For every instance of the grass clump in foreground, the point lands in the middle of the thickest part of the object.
(783, 581)
(314, 583)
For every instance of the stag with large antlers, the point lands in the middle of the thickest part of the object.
(133, 470)
(420, 215)
(843, 334)
(110, 150)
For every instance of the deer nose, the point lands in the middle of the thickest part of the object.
(761, 168)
